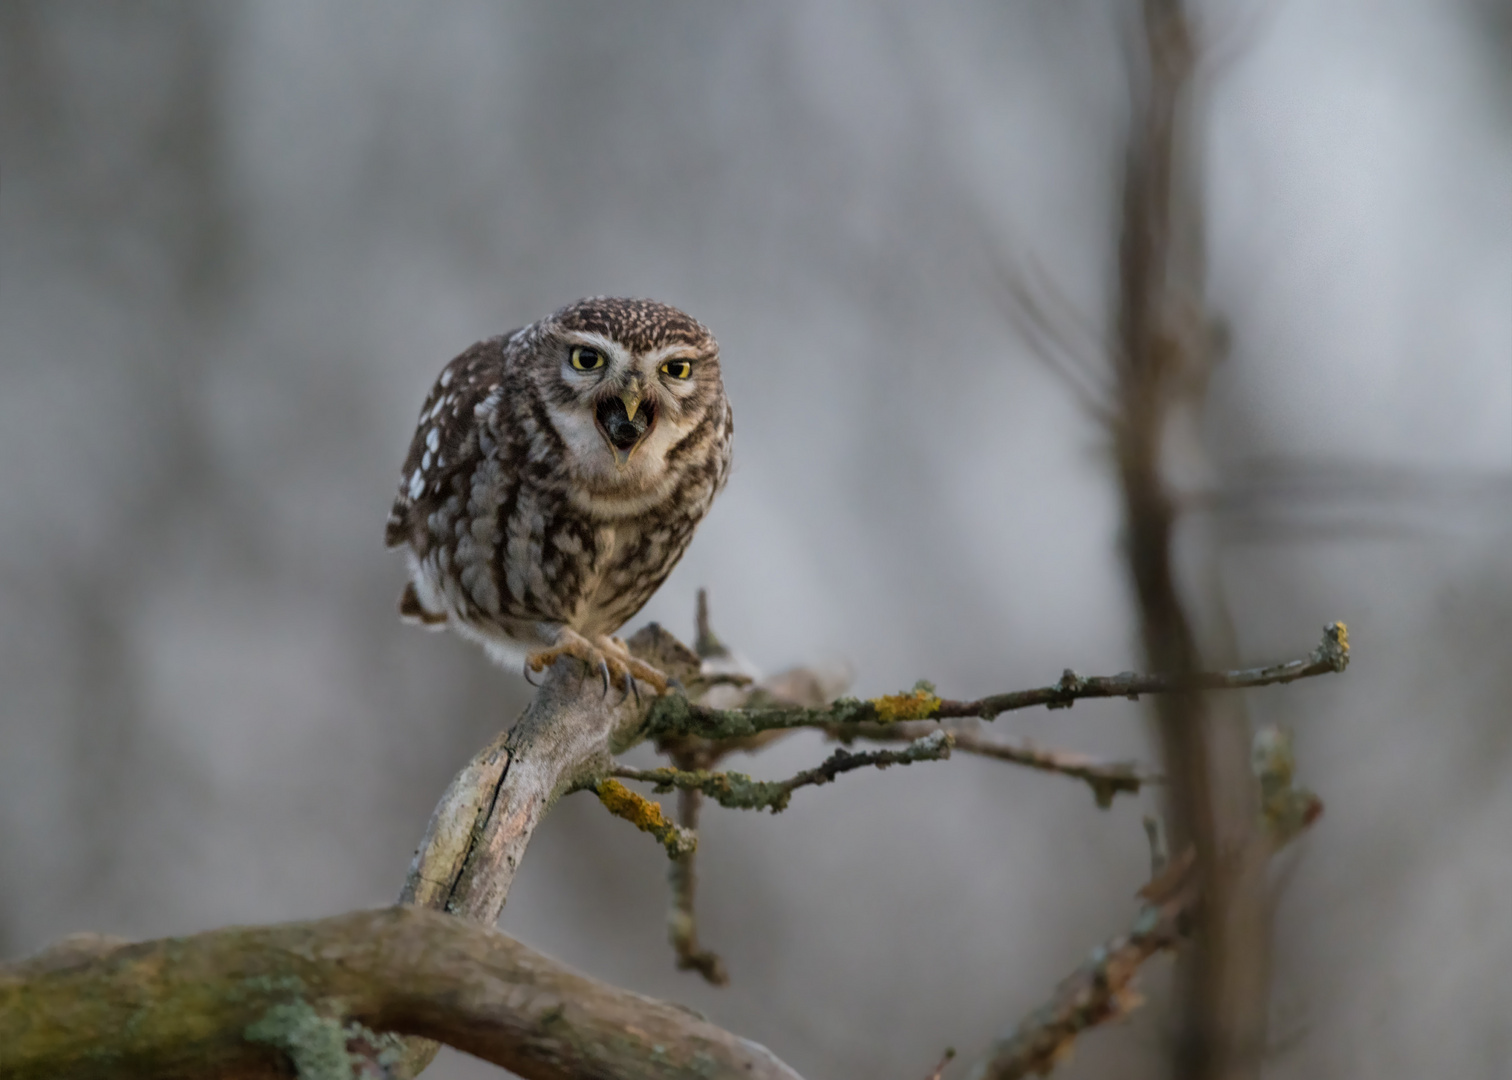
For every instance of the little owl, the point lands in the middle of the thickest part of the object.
(556, 477)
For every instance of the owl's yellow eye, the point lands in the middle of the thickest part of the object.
(678, 369)
(585, 359)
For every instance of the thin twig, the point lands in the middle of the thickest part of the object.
(1049, 335)
(682, 876)
(675, 715)
(706, 644)
(739, 792)
(1106, 778)
(945, 1059)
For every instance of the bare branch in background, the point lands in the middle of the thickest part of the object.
(1102, 989)
(945, 1060)
(1062, 339)
(1097, 992)
(1161, 363)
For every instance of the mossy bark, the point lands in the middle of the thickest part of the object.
(244, 1001)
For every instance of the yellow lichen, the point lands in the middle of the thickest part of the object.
(646, 816)
(1343, 637)
(918, 705)
(639, 811)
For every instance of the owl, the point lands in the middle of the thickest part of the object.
(556, 477)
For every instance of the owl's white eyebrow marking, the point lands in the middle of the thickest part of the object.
(679, 349)
(613, 351)
(416, 484)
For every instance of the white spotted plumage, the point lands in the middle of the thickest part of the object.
(538, 496)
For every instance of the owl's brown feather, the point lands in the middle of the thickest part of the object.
(515, 514)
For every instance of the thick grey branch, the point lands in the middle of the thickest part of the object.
(237, 1002)
(479, 830)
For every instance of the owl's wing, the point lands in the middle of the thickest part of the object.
(445, 442)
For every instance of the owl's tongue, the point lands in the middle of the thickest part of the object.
(623, 432)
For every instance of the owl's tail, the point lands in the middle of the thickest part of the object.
(412, 611)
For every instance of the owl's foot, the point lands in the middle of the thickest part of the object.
(608, 655)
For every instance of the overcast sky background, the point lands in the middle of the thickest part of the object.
(240, 240)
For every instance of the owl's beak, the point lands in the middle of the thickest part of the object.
(624, 421)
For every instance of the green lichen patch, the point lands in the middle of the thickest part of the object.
(734, 790)
(319, 1045)
(316, 1044)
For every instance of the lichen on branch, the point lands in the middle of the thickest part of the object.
(646, 816)
(674, 714)
(739, 792)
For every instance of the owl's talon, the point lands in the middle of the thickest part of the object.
(606, 655)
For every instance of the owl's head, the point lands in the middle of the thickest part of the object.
(625, 382)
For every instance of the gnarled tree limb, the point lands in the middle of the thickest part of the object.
(232, 1003)
(479, 830)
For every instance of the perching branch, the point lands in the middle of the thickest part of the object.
(239, 1002)
(739, 792)
(675, 715)
(479, 830)
(373, 990)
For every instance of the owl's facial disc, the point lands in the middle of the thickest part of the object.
(624, 420)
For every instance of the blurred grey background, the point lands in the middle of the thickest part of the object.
(240, 239)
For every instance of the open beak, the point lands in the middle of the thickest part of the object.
(624, 421)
